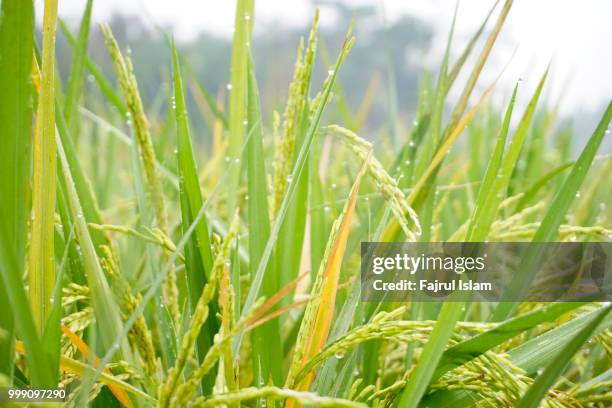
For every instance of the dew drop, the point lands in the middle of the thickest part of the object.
(333, 186)
(327, 209)
(330, 72)
(578, 194)
(227, 159)
(247, 17)
(339, 355)
(411, 144)
(91, 78)
(229, 87)
(245, 122)
(407, 162)
(289, 178)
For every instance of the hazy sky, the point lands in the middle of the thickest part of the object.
(575, 35)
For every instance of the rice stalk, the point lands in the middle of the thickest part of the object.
(140, 126)
(41, 258)
(316, 322)
(387, 185)
(296, 101)
(168, 389)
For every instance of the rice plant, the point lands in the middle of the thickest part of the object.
(143, 266)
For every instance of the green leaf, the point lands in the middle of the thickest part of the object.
(238, 92)
(75, 78)
(199, 248)
(549, 226)
(479, 226)
(529, 356)
(267, 361)
(16, 48)
(431, 355)
(106, 310)
(488, 205)
(472, 348)
(41, 261)
(107, 89)
(558, 365)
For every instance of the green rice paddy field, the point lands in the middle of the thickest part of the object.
(143, 264)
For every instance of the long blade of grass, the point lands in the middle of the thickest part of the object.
(75, 77)
(41, 262)
(429, 145)
(482, 59)
(89, 204)
(319, 313)
(107, 89)
(267, 361)
(431, 355)
(199, 270)
(238, 92)
(189, 174)
(16, 44)
(558, 365)
(446, 145)
(452, 75)
(531, 193)
(554, 216)
(477, 345)
(538, 351)
(485, 214)
(40, 370)
(476, 230)
(105, 308)
(529, 356)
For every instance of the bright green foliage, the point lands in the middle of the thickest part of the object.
(185, 275)
(16, 41)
